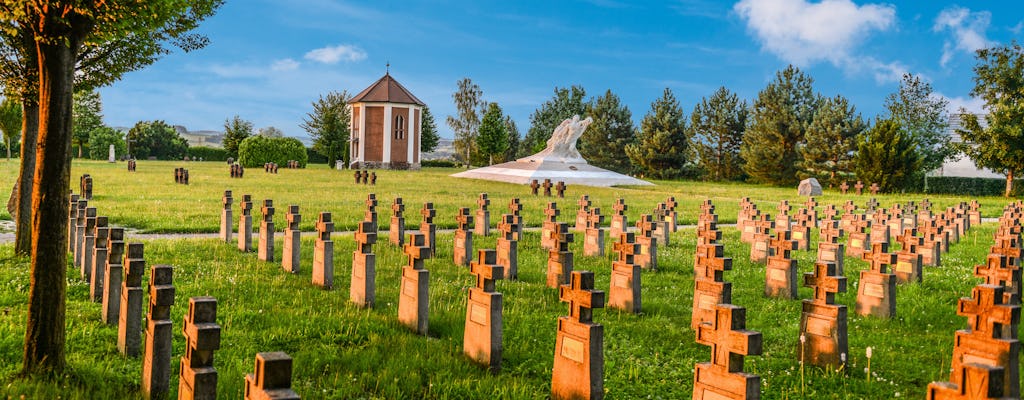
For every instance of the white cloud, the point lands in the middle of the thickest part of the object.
(802, 33)
(286, 64)
(334, 54)
(971, 104)
(1017, 28)
(967, 28)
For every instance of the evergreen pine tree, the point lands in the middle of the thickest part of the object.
(718, 124)
(662, 147)
(780, 116)
(513, 140)
(886, 156)
(544, 120)
(604, 142)
(428, 132)
(493, 138)
(831, 142)
(236, 130)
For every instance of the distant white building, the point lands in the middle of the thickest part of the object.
(963, 166)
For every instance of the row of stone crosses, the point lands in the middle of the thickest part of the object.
(114, 270)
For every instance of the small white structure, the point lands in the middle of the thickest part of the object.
(110, 154)
(385, 127)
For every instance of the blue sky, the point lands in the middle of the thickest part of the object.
(267, 62)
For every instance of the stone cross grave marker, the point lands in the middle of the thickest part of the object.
(362, 289)
(908, 260)
(560, 189)
(648, 256)
(482, 226)
(707, 229)
(508, 247)
(272, 379)
(560, 259)
(858, 236)
(822, 322)
(515, 207)
(463, 252)
(801, 231)
(197, 378)
(931, 246)
(415, 289)
(88, 244)
(482, 337)
(859, 187)
(780, 274)
(871, 206)
(534, 186)
(782, 219)
(72, 222)
(829, 212)
(371, 210)
(112, 276)
(396, 232)
(85, 186)
(132, 165)
(156, 359)
(547, 187)
(551, 212)
(323, 252)
(99, 260)
(290, 254)
(619, 223)
(844, 187)
(723, 377)
(245, 224)
(876, 292)
(762, 235)
(584, 204)
(671, 215)
(427, 226)
(578, 371)
(226, 219)
(874, 188)
(880, 227)
(265, 247)
(829, 247)
(129, 327)
(593, 244)
(662, 231)
(624, 288)
(81, 217)
(710, 287)
(974, 213)
(997, 271)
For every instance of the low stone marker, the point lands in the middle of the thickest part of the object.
(534, 186)
(265, 248)
(859, 186)
(829, 248)
(974, 213)
(858, 236)
(908, 260)
(290, 254)
(156, 359)
(619, 223)
(648, 256)
(876, 291)
(582, 213)
(514, 208)
(844, 187)
(550, 224)
(110, 310)
(129, 327)
(508, 247)
(80, 218)
(370, 215)
(710, 288)
(547, 187)
(226, 219)
(671, 215)
(662, 230)
(624, 288)
(560, 189)
(362, 290)
(780, 274)
(396, 231)
(880, 227)
(560, 258)
(463, 240)
(323, 252)
(761, 238)
(85, 186)
(236, 170)
(132, 166)
(593, 242)
(822, 322)
(197, 378)
(481, 340)
(181, 175)
(723, 377)
(985, 363)
(998, 271)
(874, 188)
(413, 310)
(272, 379)
(578, 371)
(482, 226)
(427, 226)
(98, 260)
(88, 244)
(245, 224)
(72, 222)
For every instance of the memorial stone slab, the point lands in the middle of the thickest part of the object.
(156, 359)
(272, 379)
(323, 252)
(463, 241)
(822, 322)
(482, 338)
(560, 260)
(129, 327)
(723, 377)
(265, 247)
(291, 254)
(415, 290)
(624, 288)
(508, 247)
(396, 231)
(110, 310)
(482, 226)
(876, 291)
(578, 371)
(362, 289)
(245, 224)
(197, 378)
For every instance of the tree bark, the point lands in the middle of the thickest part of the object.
(23, 189)
(1009, 183)
(45, 331)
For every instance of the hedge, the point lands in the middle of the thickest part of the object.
(257, 150)
(442, 163)
(207, 153)
(972, 186)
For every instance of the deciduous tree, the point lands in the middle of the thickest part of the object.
(466, 124)
(236, 130)
(10, 122)
(604, 143)
(100, 140)
(86, 116)
(780, 116)
(328, 125)
(565, 103)
(662, 148)
(493, 138)
(831, 141)
(922, 115)
(999, 80)
(157, 139)
(886, 156)
(718, 123)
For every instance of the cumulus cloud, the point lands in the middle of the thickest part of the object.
(335, 54)
(286, 64)
(971, 104)
(966, 27)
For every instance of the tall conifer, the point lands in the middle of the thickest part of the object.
(604, 143)
(662, 148)
(831, 142)
(718, 123)
(780, 116)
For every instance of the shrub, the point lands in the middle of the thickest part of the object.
(316, 158)
(257, 150)
(972, 186)
(100, 140)
(439, 163)
(207, 153)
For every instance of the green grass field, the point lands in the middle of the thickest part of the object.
(344, 352)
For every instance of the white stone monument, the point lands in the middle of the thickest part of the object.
(110, 154)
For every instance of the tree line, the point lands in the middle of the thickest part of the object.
(787, 133)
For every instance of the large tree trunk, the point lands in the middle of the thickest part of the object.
(1009, 183)
(23, 189)
(45, 331)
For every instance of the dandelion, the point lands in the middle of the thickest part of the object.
(868, 369)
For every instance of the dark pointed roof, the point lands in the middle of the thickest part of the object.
(386, 90)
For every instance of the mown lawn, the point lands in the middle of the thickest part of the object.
(344, 352)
